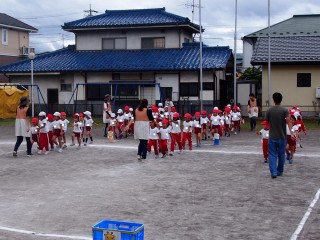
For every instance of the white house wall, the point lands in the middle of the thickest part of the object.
(247, 53)
(167, 80)
(93, 40)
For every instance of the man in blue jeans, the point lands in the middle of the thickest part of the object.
(277, 117)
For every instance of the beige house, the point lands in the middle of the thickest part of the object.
(295, 61)
(14, 45)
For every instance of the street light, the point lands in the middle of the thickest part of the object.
(31, 57)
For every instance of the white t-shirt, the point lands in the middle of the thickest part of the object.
(294, 129)
(88, 122)
(215, 120)
(34, 130)
(153, 134)
(165, 133)
(222, 120)
(204, 120)
(121, 118)
(56, 124)
(235, 116)
(196, 123)
(113, 122)
(187, 126)
(176, 127)
(50, 125)
(77, 127)
(64, 124)
(44, 123)
(264, 134)
(228, 118)
(127, 116)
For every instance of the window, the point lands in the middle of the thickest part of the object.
(149, 43)
(207, 86)
(97, 91)
(125, 91)
(66, 87)
(189, 89)
(5, 36)
(114, 43)
(303, 79)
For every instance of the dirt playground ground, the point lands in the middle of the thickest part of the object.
(212, 192)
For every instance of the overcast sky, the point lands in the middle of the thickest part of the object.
(218, 16)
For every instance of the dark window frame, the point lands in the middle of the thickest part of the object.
(303, 79)
(145, 45)
(208, 86)
(114, 43)
(96, 92)
(186, 89)
(65, 87)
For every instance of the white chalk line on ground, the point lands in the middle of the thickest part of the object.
(43, 234)
(306, 216)
(230, 151)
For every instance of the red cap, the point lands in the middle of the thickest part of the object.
(203, 112)
(176, 115)
(50, 116)
(187, 115)
(264, 122)
(34, 120)
(235, 108)
(215, 111)
(63, 114)
(219, 111)
(80, 114)
(165, 121)
(126, 108)
(197, 114)
(155, 109)
(227, 109)
(173, 109)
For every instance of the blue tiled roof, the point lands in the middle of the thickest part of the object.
(135, 17)
(299, 49)
(71, 60)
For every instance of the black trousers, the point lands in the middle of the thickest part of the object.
(106, 129)
(253, 122)
(142, 148)
(19, 141)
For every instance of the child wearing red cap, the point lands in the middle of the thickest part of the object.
(127, 118)
(302, 128)
(64, 122)
(112, 128)
(172, 111)
(236, 118)
(120, 124)
(153, 139)
(222, 122)
(164, 137)
(187, 130)
(215, 121)
(291, 141)
(264, 139)
(57, 130)
(34, 132)
(43, 134)
(175, 133)
(81, 120)
(197, 128)
(50, 130)
(204, 121)
(227, 124)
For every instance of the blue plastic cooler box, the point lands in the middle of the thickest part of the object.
(126, 230)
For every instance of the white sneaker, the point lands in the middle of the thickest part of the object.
(90, 142)
(46, 152)
(14, 154)
(139, 157)
(64, 146)
(156, 156)
(72, 144)
(40, 152)
(171, 154)
(60, 150)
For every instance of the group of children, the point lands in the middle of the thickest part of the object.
(50, 130)
(293, 140)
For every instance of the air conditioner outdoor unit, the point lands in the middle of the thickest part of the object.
(26, 50)
(318, 92)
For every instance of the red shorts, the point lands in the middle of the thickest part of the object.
(35, 137)
(56, 132)
(88, 129)
(236, 123)
(197, 130)
(77, 134)
(215, 126)
(290, 141)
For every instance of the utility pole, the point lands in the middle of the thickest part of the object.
(90, 12)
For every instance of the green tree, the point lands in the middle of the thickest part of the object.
(252, 73)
